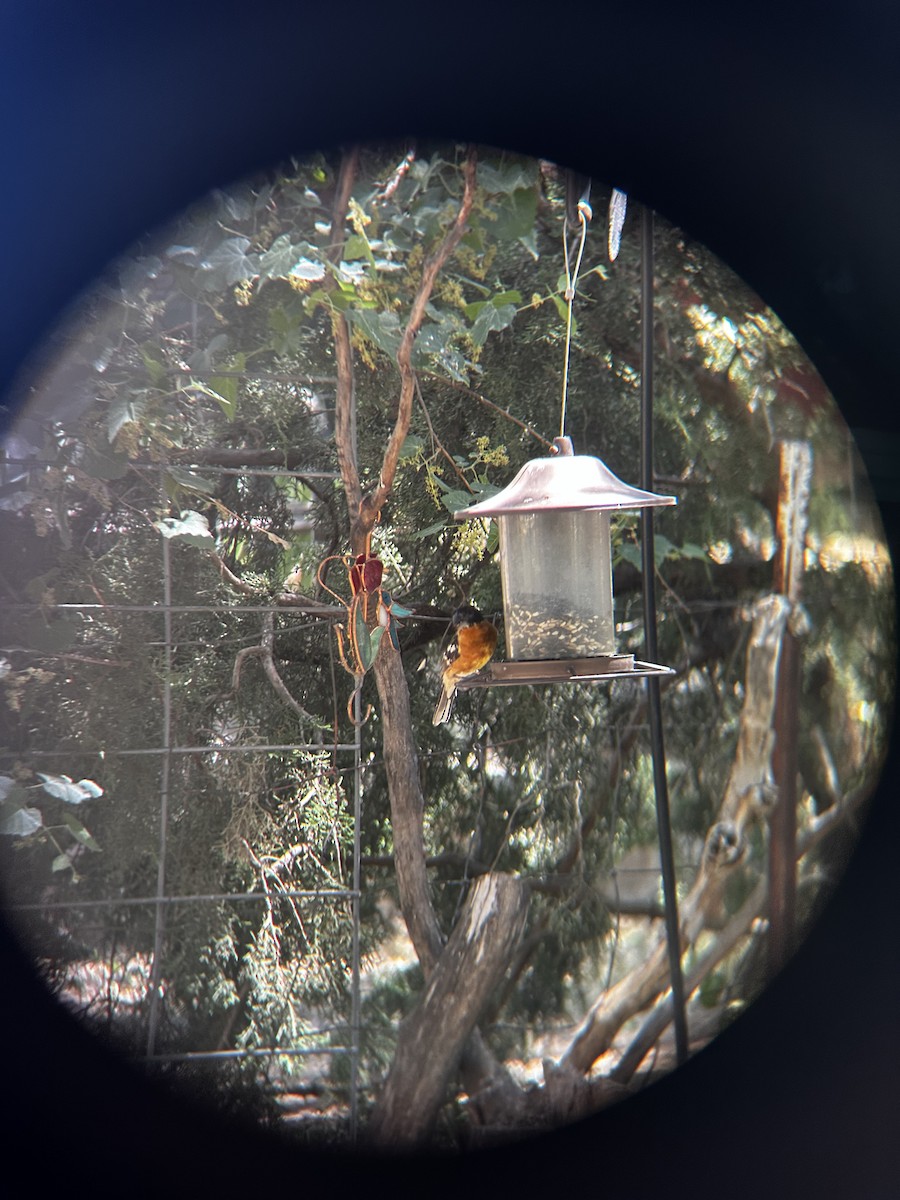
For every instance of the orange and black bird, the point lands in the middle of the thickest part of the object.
(471, 645)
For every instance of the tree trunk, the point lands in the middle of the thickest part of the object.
(432, 1037)
(401, 763)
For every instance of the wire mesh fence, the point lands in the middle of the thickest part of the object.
(114, 949)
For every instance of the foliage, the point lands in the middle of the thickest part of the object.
(178, 449)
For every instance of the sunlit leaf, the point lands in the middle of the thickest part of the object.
(277, 261)
(308, 269)
(21, 822)
(62, 788)
(229, 263)
(224, 390)
(62, 862)
(191, 527)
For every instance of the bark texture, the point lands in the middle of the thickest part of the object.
(433, 1036)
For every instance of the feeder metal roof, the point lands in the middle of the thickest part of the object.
(566, 481)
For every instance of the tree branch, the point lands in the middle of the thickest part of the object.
(344, 417)
(375, 502)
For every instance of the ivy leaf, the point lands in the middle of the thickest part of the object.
(308, 269)
(22, 822)
(490, 320)
(229, 263)
(456, 499)
(382, 328)
(277, 261)
(61, 787)
(191, 528)
(512, 177)
(630, 552)
(516, 217)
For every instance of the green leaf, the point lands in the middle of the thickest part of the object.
(61, 787)
(308, 269)
(155, 367)
(692, 550)
(191, 527)
(21, 822)
(228, 264)
(457, 499)
(516, 216)
(283, 255)
(499, 300)
(79, 832)
(183, 479)
(563, 309)
(511, 177)
(490, 320)
(630, 552)
(412, 444)
(62, 862)
(382, 328)
(356, 247)
(224, 390)
(127, 408)
(431, 530)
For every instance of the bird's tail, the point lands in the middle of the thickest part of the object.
(443, 707)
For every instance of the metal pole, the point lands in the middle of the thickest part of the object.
(355, 918)
(654, 701)
(164, 785)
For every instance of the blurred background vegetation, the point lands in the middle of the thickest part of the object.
(206, 351)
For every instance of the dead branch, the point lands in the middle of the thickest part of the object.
(749, 795)
(265, 651)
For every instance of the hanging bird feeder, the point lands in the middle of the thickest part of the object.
(556, 570)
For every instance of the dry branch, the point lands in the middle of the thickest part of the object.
(748, 796)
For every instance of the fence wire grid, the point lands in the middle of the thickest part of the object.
(140, 984)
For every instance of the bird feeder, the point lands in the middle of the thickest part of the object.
(556, 569)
